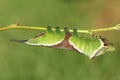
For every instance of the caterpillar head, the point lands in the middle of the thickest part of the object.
(108, 44)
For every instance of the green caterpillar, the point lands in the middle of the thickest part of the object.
(91, 47)
(68, 39)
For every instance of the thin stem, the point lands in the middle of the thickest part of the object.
(103, 29)
(15, 26)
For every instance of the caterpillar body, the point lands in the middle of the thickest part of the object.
(90, 47)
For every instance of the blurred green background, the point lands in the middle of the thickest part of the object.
(22, 62)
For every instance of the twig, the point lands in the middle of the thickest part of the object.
(16, 26)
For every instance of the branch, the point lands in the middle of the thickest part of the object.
(16, 26)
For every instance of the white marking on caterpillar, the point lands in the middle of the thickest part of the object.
(98, 51)
(45, 44)
(76, 47)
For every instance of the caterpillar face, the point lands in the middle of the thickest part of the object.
(108, 44)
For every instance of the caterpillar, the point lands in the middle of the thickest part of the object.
(68, 39)
(91, 47)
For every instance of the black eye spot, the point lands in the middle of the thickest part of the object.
(105, 41)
